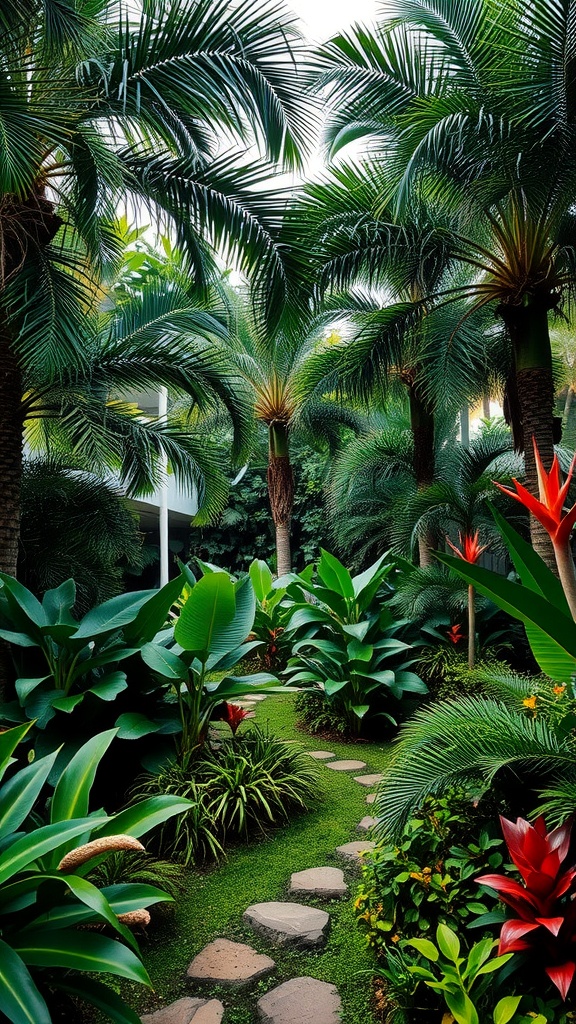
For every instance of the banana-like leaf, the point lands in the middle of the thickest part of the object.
(72, 793)
(164, 662)
(262, 579)
(103, 998)
(122, 899)
(154, 612)
(335, 576)
(112, 615)
(9, 740)
(25, 851)
(208, 612)
(20, 1000)
(19, 794)
(26, 600)
(143, 816)
(79, 951)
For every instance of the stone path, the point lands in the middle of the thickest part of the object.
(234, 964)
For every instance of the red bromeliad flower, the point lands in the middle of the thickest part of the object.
(455, 634)
(549, 509)
(545, 918)
(234, 715)
(470, 550)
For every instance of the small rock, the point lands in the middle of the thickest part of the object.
(321, 755)
(187, 1011)
(368, 780)
(289, 924)
(366, 824)
(229, 963)
(346, 766)
(353, 852)
(300, 1001)
(370, 798)
(322, 882)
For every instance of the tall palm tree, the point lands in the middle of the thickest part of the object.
(473, 104)
(104, 105)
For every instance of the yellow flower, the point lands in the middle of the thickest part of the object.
(559, 689)
(530, 702)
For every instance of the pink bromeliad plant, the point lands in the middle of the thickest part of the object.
(544, 916)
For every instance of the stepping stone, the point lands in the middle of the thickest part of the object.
(300, 1001)
(259, 696)
(366, 824)
(321, 882)
(321, 755)
(289, 924)
(346, 766)
(370, 798)
(229, 963)
(367, 780)
(187, 1011)
(352, 852)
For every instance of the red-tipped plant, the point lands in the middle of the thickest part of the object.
(455, 634)
(234, 715)
(470, 550)
(544, 920)
(549, 511)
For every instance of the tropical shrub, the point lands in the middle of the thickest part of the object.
(317, 713)
(46, 897)
(250, 783)
(344, 641)
(271, 617)
(428, 877)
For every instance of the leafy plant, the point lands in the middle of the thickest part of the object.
(318, 713)
(544, 921)
(271, 616)
(344, 640)
(455, 975)
(45, 896)
(209, 638)
(427, 878)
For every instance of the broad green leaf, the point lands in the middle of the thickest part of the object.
(9, 740)
(110, 685)
(334, 575)
(26, 600)
(532, 570)
(357, 629)
(43, 840)
(19, 794)
(132, 726)
(410, 682)
(306, 616)
(67, 704)
(217, 664)
(357, 651)
(360, 709)
(154, 613)
(122, 899)
(20, 639)
(209, 609)
(93, 898)
(261, 578)
(80, 951)
(332, 686)
(363, 579)
(495, 964)
(448, 942)
(113, 614)
(116, 653)
(72, 793)
(24, 687)
(461, 1007)
(143, 816)
(20, 1000)
(103, 998)
(163, 661)
(506, 1008)
(58, 604)
(425, 947)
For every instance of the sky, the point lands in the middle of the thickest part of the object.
(324, 17)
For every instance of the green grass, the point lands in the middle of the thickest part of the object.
(213, 901)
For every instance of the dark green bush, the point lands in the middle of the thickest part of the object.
(319, 714)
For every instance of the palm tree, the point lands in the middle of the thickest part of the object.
(472, 104)
(103, 106)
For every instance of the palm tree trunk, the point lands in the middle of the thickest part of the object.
(486, 407)
(281, 493)
(11, 442)
(567, 405)
(422, 426)
(528, 326)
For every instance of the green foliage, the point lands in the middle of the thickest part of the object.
(429, 876)
(345, 643)
(248, 784)
(271, 617)
(321, 714)
(43, 901)
(138, 869)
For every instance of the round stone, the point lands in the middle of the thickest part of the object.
(368, 780)
(229, 963)
(353, 852)
(187, 1011)
(324, 883)
(370, 798)
(346, 766)
(367, 823)
(300, 1001)
(289, 924)
(321, 755)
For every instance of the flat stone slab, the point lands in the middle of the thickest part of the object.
(370, 798)
(352, 852)
(327, 883)
(346, 766)
(366, 824)
(368, 780)
(321, 755)
(229, 963)
(289, 924)
(187, 1011)
(300, 1001)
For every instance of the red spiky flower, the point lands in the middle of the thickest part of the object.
(470, 549)
(549, 510)
(544, 917)
(455, 634)
(234, 715)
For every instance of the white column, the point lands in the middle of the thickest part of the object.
(163, 514)
(465, 426)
